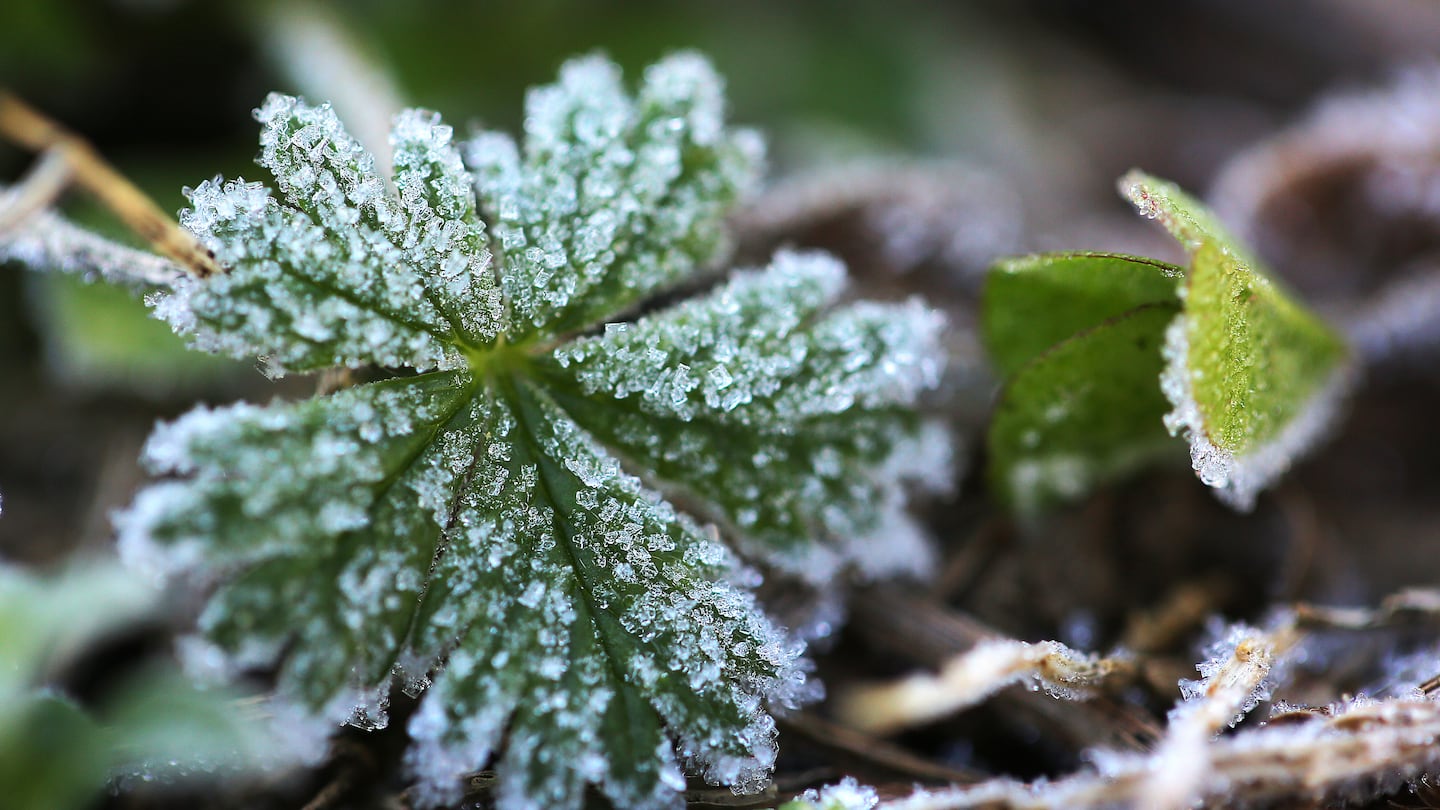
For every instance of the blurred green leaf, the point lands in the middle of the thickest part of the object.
(1088, 409)
(99, 335)
(1033, 302)
(160, 720)
(46, 621)
(52, 756)
(56, 755)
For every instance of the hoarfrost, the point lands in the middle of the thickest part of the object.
(381, 535)
(612, 199)
(1238, 479)
(754, 395)
(341, 271)
(44, 240)
(847, 794)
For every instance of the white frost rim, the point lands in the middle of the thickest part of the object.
(1237, 480)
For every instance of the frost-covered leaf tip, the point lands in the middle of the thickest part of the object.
(1254, 378)
(486, 527)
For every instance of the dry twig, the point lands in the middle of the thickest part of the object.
(59, 147)
(975, 675)
(1365, 749)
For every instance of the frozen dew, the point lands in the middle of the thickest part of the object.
(52, 242)
(1239, 478)
(847, 794)
(384, 534)
(339, 270)
(641, 219)
(816, 394)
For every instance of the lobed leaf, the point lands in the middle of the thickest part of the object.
(470, 530)
(340, 271)
(612, 199)
(791, 422)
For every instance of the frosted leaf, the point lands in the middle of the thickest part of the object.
(1239, 478)
(464, 531)
(613, 198)
(1255, 380)
(789, 418)
(339, 271)
(460, 541)
(331, 509)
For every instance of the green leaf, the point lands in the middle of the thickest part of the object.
(44, 622)
(1254, 378)
(53, 754)
(1033, 302)
(695, 394)
(474, 528)
(1069, 333)
(612, 199)
(1085, 411)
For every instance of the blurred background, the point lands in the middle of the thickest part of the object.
(920, 141)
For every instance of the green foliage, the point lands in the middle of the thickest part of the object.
(474, 527)
(1254, 377)
(1034, 302)
(1078, 337)
(1086, 411)
(1099, 351)
(53, 753)
(100, 335)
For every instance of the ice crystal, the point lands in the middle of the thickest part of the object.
(475, 529)
(847, 794)
(50, 241)
(1255, 379)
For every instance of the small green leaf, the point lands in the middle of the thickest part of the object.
(52, 756)
(1085, 411)
(1033, 302)
(1254, 378)
(44, 622)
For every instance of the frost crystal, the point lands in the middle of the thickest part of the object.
(847, 794)
(1254, 378)
(474, 529)
(1238, 479)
